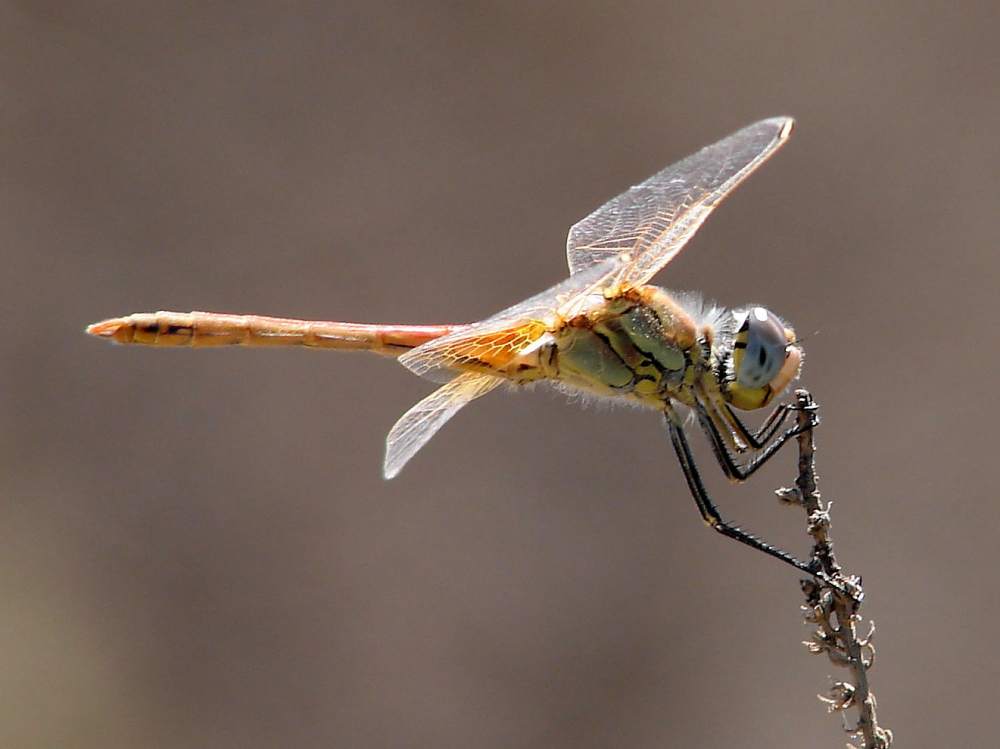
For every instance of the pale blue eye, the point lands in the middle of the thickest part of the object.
(765, 351)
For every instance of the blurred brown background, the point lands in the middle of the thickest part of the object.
(198, 549)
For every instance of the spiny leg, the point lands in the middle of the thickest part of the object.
(737, 436)
(709, 512)
(765, 451)
(757, 440)
(733, 470)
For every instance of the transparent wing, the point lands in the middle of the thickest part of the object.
(422, 421)
(490, 345)
(622, 244)
(653, 221)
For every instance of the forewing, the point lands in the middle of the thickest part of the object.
(653, 221)
(422, 421)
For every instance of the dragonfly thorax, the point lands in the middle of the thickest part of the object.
(643, 346)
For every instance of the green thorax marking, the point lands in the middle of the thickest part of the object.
(644, 349)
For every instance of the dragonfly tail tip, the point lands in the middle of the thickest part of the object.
(107, 329)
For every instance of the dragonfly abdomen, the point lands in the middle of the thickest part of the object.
(199, 329)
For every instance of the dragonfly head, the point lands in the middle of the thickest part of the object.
(765, 358)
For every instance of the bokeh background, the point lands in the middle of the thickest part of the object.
(197, 547)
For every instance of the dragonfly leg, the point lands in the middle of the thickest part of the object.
(709, 512)
(757, 440)
(764, 449)
(737, 435)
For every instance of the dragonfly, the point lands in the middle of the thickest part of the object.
(602, 331)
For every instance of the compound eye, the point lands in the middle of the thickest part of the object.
(766, 348)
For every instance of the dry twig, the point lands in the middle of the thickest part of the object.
(834, 599)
